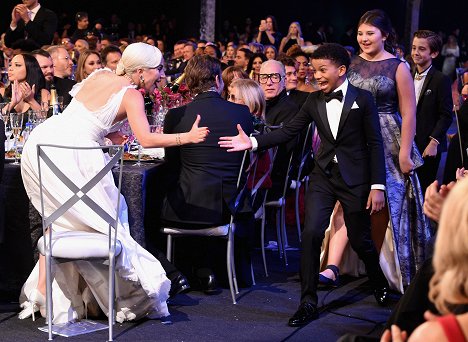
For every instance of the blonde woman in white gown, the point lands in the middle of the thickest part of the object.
(100, 105)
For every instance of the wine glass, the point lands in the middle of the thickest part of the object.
(6, 122)
(16, 122)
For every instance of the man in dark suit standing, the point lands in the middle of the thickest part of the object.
(434, 104)
(31, 23)
(349, 167)
(205, 175)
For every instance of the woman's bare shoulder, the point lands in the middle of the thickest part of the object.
(428, 332)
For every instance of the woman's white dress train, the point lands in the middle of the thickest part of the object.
(141, 284)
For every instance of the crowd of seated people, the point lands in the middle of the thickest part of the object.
(281, 73)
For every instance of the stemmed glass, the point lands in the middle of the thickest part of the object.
(6, 121)
(16, 122)
(127, 130)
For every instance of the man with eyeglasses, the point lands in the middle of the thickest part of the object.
(280, 109)
(63, 69)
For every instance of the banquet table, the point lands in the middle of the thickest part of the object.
(21, 225)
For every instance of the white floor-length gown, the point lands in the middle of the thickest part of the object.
(141, 286)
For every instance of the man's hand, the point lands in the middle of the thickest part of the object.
(431, 149)
(435, 198)
(461, 173)
(240, 142)
(376, 199)
(15, 16)
(22, 11)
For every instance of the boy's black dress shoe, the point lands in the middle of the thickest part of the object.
(179, 284)
(208, 284)
(306, 313)
(381, 296)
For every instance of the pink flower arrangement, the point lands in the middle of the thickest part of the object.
(166, 98)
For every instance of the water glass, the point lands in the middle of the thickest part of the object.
(16, 122)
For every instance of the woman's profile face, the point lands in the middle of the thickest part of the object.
(370, 39)
(256, 65)
(92, 63)
(270, 53)
(17, 69)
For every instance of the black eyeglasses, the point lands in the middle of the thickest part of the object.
(275, 78)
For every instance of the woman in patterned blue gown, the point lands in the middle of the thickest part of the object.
(391, 84)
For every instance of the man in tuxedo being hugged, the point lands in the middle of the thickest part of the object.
(204, 176)
(349, 167)
(433, 104)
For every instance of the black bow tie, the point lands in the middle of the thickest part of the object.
(336, 95)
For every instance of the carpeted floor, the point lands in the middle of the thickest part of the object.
(261, 314)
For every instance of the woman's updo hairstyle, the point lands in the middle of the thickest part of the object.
(136, 56)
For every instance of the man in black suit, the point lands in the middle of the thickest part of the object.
(434, 104)
(31, 23)
(349, 167)
(205, 175)
(63, 69)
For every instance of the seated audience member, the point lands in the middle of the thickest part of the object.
(204, 176)
(230, 74)
(63, 69)
(46, 64)
(82, 23)
(81, 45)
(271, 52)
(256, 47)
(268, 32)
(32, 23)
(304, 82)
(243, 57)
(27, 88)
(255, 63)
(448, 286)
(110, 56)
(299, 97)
(294, 37)
(280, 109)
(87, 63)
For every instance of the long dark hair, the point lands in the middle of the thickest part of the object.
(34, 76)
(251, 60)
(380, 19)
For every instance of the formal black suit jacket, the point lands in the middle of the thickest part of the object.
(63, 86)
(434, 110)
(358, 146)
(206, 175)
(41, 30)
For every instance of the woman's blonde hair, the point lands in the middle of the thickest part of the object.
(136, 56)
(449, 285)
(299, 30)
(80, 73)
(251, 93)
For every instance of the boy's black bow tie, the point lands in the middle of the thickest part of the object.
(336, 95)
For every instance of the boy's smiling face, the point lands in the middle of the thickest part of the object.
(328, 75)
(421, 53)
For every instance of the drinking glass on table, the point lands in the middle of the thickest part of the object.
(16, 122)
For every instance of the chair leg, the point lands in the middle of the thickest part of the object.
(111, 313)
(229, 263)
(233, 263)
(296, 207)
(48, 260)
(262, 242)
(252, 273)
(278, 233)
(284, 237)
(169, 247)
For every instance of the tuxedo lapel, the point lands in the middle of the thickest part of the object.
(427, 79)
(322, 110)
(351, 96)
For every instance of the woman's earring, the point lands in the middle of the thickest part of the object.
(142, 81)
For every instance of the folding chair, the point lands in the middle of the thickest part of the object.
(225, 231)
(300, 179)
(93, 246)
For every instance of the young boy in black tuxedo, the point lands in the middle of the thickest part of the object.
(433, 104)
(349, 167)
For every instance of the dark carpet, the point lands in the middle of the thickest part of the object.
(261, 314)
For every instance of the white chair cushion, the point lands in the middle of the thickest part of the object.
(79, 245)
(215, 231)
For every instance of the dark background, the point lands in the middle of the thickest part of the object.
(438, 15)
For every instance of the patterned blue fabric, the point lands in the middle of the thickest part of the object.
(411, 228)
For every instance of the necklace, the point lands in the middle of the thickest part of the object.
(127, 76)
